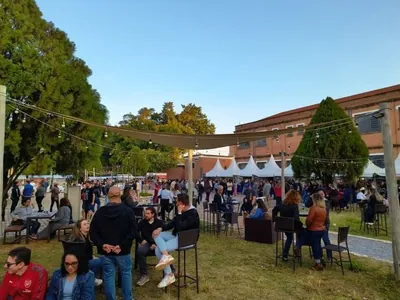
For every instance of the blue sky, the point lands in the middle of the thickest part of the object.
(240, 60)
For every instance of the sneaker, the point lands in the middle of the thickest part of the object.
(165, 260)
(167, 280)
(285, 258)
(143, 280)
(98, 282)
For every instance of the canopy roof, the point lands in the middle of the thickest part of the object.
(289, 171)
(231, 171)
(250, 169)
(271, 169)
(371, 169)
(216, 171)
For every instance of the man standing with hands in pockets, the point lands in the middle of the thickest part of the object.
(112, 230)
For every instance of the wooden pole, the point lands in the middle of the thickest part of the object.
(190, 176)
(394, 207)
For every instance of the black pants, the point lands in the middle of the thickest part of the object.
(164, 208)
(34, 227)
(39, 202)
(54, 200)
(141, 253)
(14, 203)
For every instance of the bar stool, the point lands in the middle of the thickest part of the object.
(381, 210)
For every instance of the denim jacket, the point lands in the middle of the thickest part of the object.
(83, 287)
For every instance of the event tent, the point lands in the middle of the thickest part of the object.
(271, 169)
(289, 171)
(371, 169)
(397, 165)
(250, 169)
(216, 171)
(231, 171)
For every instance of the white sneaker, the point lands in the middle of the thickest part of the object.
(167, 280)
(98, 282)
(165, 260)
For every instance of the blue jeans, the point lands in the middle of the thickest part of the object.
(316, 237)
(165, 241)
(106, 200)
(124, 263)
(95, 265)
(288, 243)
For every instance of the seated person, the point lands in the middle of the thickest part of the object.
(374, 199)
(289, 209)
(221, 203)
(73, 280)
(23, 279)
(80, 233)
(259, 210)
(61, 219)
(248, 200)
(186, 219)
(20, 215)
(145, 239)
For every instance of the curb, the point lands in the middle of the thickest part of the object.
(365, 238)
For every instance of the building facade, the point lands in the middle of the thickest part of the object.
(357, 107)
(202, 163)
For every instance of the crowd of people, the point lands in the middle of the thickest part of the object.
(112, 230)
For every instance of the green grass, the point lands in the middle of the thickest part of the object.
(352, 219)
(231, 268)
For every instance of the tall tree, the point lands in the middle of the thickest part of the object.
(330, 150)
(38, 66)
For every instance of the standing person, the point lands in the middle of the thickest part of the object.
(28, 190)
(278, 194)
(55, 193)
(73, 280)
(112, 230)
(88, 202)
(15, 195)
(23, 280)
(40, 193)
(267, 190)
(186, 219)
(167, 198)
(146, 241)
(207, 189)
(229, 188)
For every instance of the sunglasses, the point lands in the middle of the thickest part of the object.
(73, 264)
(8, 264)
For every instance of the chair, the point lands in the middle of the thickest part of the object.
(65, 228)
(282, 225)
(367, 226)
(206, 212)
(381, 211)
(17, 229)
(187, 240)
(343, 233)
(260, 231)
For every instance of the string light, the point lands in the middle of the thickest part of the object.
(63, 123)
(24, 119)
(106, 134)
(196, 144)
(16, 111)
(11, 117)
(150, 141)
(59, 135)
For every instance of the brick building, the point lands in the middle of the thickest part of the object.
(202, 163)
(356, 107)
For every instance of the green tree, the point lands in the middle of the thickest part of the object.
(133, 161)
(340, 144)
(38, 66)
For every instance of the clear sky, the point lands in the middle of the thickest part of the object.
(240, 60)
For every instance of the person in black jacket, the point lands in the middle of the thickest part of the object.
(15, 195)
(186, 219)
(113, 230)
(146, 242)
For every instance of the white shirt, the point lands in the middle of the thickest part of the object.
(166, 194)
(361, 196)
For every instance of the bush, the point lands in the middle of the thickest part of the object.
(143, 194)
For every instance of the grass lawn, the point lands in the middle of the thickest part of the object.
(352, 219)
(231, 268)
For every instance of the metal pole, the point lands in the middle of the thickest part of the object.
(283, 166)
(190, 175)
(3, 91)
(390, 171)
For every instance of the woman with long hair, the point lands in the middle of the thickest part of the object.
(289, 209)
(80, 233)
(73, 280)
(62, 218)
(315, 229)
(374, 199)
(259, 209)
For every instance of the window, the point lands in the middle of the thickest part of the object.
(300, 130)
(261, 143)
(290, 133)
(244, 145)
(275, 129)
(367, 123)
(378, 159)
(242, 165)
(261, 164)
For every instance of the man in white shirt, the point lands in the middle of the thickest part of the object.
(166, 198)
(360, 195)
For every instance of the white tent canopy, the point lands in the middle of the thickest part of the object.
(271, 169)
(231, 171)
(289, 171)
(371, 169)
(250, 169)
(216, 171)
